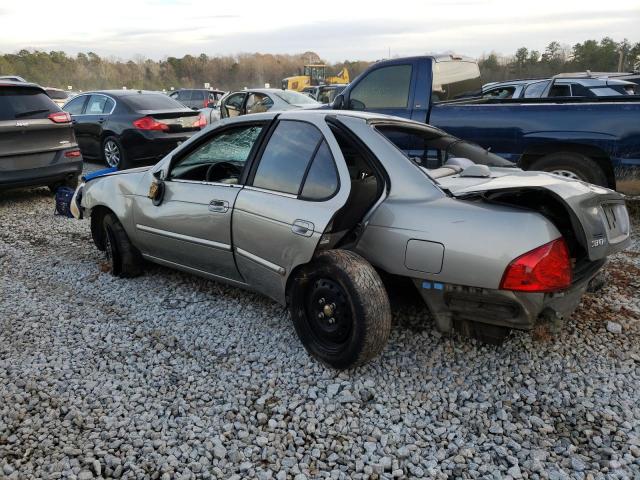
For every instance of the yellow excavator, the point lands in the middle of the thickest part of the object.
(315, 74)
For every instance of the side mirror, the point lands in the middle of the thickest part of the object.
(156, 189)
(211, 105)
(338, 102)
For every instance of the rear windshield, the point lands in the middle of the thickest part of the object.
(295, 98)
(57, 94)
(151, 101)
(454, 79)
(20, 102)
(432, 148)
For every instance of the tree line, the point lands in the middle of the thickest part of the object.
(86, 71)
(605, 55)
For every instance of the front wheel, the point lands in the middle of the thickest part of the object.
(572, 165)
(123, 258)
(340, 309)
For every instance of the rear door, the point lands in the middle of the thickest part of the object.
(191, 228)
(25, 128)
(293, 192)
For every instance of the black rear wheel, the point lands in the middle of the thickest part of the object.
(340, 309)
(113, 154)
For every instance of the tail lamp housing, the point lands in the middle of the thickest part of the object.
(543, 269)
(150, 123)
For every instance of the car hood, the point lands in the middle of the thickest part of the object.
(598, 215)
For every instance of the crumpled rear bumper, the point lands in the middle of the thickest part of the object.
(519, 310)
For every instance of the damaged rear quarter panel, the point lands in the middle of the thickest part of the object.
(479, 239)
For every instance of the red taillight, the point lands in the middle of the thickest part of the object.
(544, 269)
(200, 122)
(60, 117)
(150, 123)
(205, 103)
(72, 154)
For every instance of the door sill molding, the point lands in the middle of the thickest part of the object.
(195, 271)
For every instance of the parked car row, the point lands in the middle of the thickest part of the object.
(560, 86)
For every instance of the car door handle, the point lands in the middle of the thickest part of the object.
(101, 120)
(219, 206)
(302, 227)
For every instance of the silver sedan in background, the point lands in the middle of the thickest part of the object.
(313, 208)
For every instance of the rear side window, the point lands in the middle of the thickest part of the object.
(151, 101)
(386, 87)
(17, 102)
(98, 105)
(286, 156)
(322, 178)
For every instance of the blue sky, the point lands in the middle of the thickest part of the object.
(337, 30)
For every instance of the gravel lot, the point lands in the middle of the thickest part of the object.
(171, 376)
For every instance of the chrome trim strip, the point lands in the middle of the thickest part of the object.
(196, 271)
(261, 261)
(186, 238)
(198, 182)
(264, 190)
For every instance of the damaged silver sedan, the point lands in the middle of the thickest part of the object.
(312, 208)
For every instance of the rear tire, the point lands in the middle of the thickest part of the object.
(340, 309)
(572, 165)
(124, 259)
(114, 155)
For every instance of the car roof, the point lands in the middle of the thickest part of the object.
(322, 113)
(122, 93)
(17, 83)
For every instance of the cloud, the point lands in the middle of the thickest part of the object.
(158, 28)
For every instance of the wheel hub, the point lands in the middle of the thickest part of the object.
(329, 313)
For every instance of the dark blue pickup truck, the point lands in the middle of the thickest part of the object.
(593, 139)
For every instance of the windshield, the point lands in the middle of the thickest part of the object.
(431, 148)
(295, 98)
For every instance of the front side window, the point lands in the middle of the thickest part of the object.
(560, 90)
(286, 156)
(74, 107)
(386, 87)
(221, 159)
(258, 102)
(500, 92)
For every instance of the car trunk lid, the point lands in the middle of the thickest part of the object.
(176, 120)
(598, 215)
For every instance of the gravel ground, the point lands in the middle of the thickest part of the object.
(171, 376)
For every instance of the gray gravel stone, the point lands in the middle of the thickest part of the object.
(188, 378)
